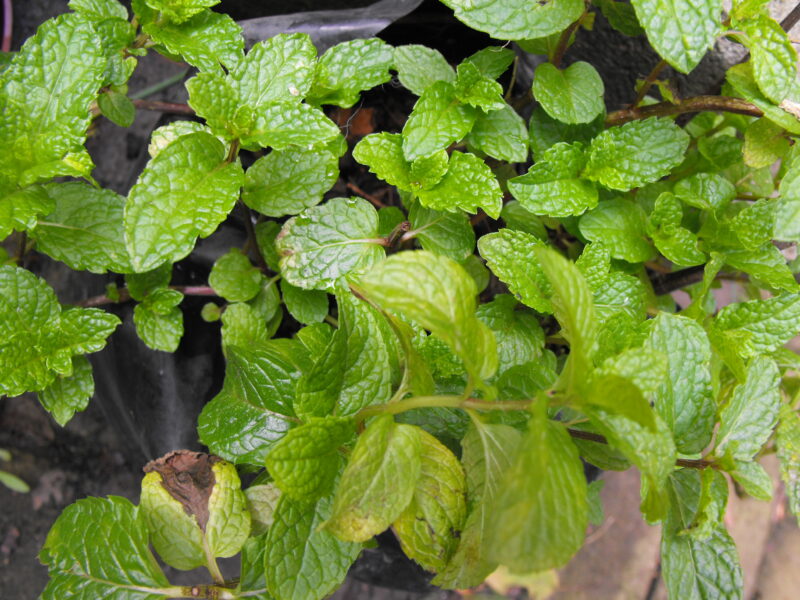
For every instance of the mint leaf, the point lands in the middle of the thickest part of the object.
(279, 125)
(254, 408)
(748, 419)
(469, 184)
(436, 121)
(762, 325)
(117, 107)
(685, 400)
(574, 95)
(694, 568)
(764, 143)
(166, 134)
(477, 90)
(492, 61)
(19, 210)
(234, 277)
(244, 326)
(675, 242)
(69, 394)
(540, 511)
(184, 192)
(680, 31)
(303, 561)
(429, 527)
(446, 233)
(179, 11)
(418, 67)
(354, 369)
(305, 461)
(383, 154)
(753, 478)
(788, 445)
(158, 330)
(553, 187)
(636, 153)
(262, 500)
(307, 306)
(98, 548)
(516, 19)
(439, 295)
(99, 9)
(501, 134)
(519, 336)
(378, 482)
(741, 79)
(287, 181)
(488, 451)
(266, 235)
(545, 131)
(347, 69)
(765, 264)
(706, 191)
(772, 56)
(327, 241)
(621, 16)
(620, 225)
(214, 98)
(520, 219)
(84, 229)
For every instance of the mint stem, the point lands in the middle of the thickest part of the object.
(125, 296)
(690, 105)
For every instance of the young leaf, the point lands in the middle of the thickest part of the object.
(740, 77)
(348, 68)
(788, 444)
(438, 294)
(492, 61)
(69, 394)
(98, 548)
(303, 561)
(243, 326)
(519, 336)
(234, 277)
(476, 90)
(429, 527)
(706, 191)
(764, 143)
(675, 242)
(99, 10)
(748, 419)
(183, 193)
(378, 482)
(285, 182)
(418, 67)
(574, 95)
(621, 16)
(501, 134)
(636, 153)
(772, 56)
(516, 19)
(446, 233)
(764, 325)
(117, 107)
(305, 461)
(469, 184)
(179, 11)
(327, 241)
(307, 306)
(685, 399)
(540, 511)
(158, 330)
(620, 225)
(680, 30)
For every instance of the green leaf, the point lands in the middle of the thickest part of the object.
(266, 234)
(307, 306)
(788, 445)
(620, 396)
(516, 19)
(20, 210)
(685, 400)
(520, 338)
(741, 78)
(765, 264)
(261, 502)
(488, 451)
(287, 181)
(552, 186)
(84, 229)
(747, 420)
(252, 573)
(764, 143)
(347, 69)
(279, 125)
(574, 95)
(159, 331)
(436, 293)
(706, 191)
(510, 256)
(772, 56)
(99, 9)
(254, 409)
(327, 241)
(117, 107)
(179, 11)
(418, 67)
(214, 98)
(378, 482)
(305, 461)
(501, 134)
(520, 219)
(98, 548)
(621, 16)
(234, 277)
(303, 561)
(205, 41)
(354, 370)
(69, 394)
(753, 479)
(477, 90)
(436, 121)
(545, 131)
(692, 568)
(183, 193)
(635, 153)
(620, 225)
(383, 154)
(675, 242)
(492, 61)
(680, 30)
(764, 325)
(468, 185)
(445, 233)
(429, 527)
(540, 511)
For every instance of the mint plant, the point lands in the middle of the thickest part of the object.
(449, 396)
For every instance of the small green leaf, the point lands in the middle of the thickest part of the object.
(234, 277)
(429, 527)
(788, 445)
(574, 95)
(446, 233)
(753, 479)
(183, 193)
(383, 154)
(307, 306)
(477, 90)
(621, 16)
(20, 210)
(347, 69)
(764, 325)
(520, 338)
(681, 31)
(287, 181)
(772, 56)
(98, 548)
(378, 482)
(620, 225)
(501, 134)
(468, 185)
(636, 153)
(262, 500)
(179, 11)
(516, 19)
(158, 331)
(327, 241)
(764, 143)
(675, 242)
(305, 461)
(99, 9)
(280, 125)
(492, 61)
(117, 107)
(741, 78)
(418, 67)
(545, 131)
(520, 219)
(68, 395)
(706, 191)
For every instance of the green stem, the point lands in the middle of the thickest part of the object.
(211, 564)
(649, 81)
(563, 42)
(439, 401)
(690, 105)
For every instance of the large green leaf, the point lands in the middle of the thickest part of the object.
(419, 67)
(620, 225)
(501, 134)
(761, 325)
(772, 56)
(184, 192)
(516, 19)
(574, 95)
